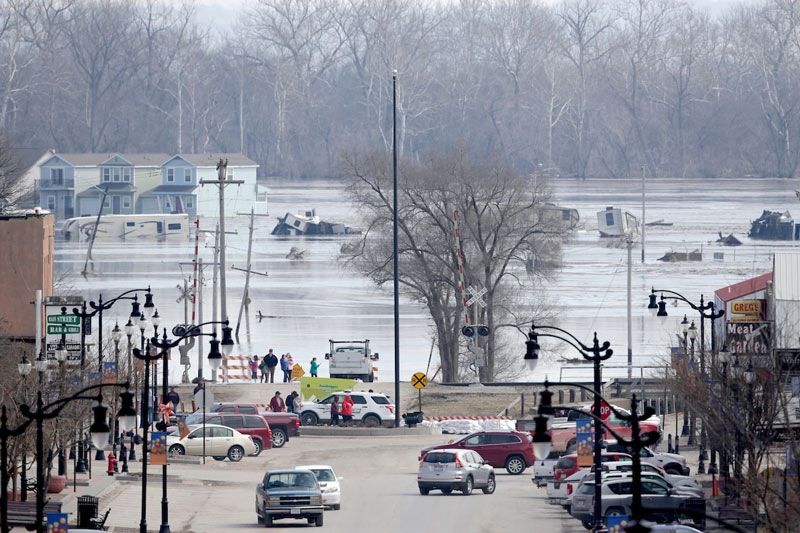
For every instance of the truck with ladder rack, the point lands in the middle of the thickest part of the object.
(351, 360)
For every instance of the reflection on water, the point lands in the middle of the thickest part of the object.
(309, 301)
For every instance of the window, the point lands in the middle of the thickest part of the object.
(565, 463)
(107, 202)
(126, 174)
(291, 479)
(221, 432)
(247, 410)
(117, 174)
(234, 421)
(620, 488)
(126, 202)
(106, 175)
(475, 440)
(187, 175)
(324, 474)
(609, 219)
(188, 202)
(170, 175)
(565, 214)
(214, 420)
(229, 409)
(329, 399)
(651, 487)
(51, 202)
(381, 400)
(173, 226)
(229, 174)
(439, 457)
(57, 176)
(296, 223)
(358, 400)
(130, 224)
(254, 422)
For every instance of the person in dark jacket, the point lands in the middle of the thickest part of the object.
(334, 411)
(276, 403)
(272, 362)
(290, 402)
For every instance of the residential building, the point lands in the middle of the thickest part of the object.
(25, 267)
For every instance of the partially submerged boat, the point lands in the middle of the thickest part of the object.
(775, 226)
(617, 222)
(127, 228)
(308, 223)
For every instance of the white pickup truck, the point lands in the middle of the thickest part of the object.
(560, 492)
(543, 470)
(351, 360)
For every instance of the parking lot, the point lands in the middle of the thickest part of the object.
(379, 493)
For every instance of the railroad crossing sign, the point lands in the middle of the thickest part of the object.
(419, 380)
(477, 296)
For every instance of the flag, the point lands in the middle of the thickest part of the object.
(183, 429)
(95, 378)
(158, 450)
(109, 372)
(584, 441)
(57, 523)
(616, 524)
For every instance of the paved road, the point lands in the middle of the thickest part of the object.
(379, 493)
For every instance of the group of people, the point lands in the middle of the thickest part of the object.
(270, 361)
(346, 410)
(293, 403)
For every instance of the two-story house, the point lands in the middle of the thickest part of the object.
(118, 179)
(56, 187)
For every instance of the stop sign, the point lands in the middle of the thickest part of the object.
(605, 411)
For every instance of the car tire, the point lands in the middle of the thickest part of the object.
(372, 421)
(615, 511)
(318, 521)
(468, 485)
(259, 447)
(337, 507)
(424, 491)
(267, 520)
(235, 453)
(447, 491)
(571, 447)
(587, 524)
(515, 465)
(279, 438)
(490, 485)
(177, 449)
(219, 457)
(308, 419)
(673, 469)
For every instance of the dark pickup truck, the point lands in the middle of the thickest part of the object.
(289, 494)
(283, 425)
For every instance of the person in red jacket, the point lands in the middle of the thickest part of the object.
(347, 410)
(276, 404)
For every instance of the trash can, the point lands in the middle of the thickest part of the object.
(413, 418)
(87, 510)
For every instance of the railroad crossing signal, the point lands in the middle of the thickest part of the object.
(471, 331)
(477, 296)
(419, 380)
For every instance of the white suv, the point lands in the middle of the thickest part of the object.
(369, 407)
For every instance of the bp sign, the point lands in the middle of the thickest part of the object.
(60, 324)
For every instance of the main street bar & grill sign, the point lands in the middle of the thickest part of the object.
(749, 338)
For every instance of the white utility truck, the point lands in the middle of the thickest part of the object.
(351, 360)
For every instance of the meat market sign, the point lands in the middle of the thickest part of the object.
(750, 338)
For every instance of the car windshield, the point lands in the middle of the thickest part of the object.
(440, 458)
(195, 418)
(291, 479)
(565, 463)
(324, 474)
(381, 400)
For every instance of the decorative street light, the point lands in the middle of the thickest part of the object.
(531, 351)
(596, 353)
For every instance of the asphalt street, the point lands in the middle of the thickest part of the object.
(379, 493)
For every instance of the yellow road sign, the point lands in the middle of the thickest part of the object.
(419, 380)
(297, 371)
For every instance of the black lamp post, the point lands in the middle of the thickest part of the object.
(596, 353)
(129, 329)
(637, 442)
(99, 430)
(164, 345)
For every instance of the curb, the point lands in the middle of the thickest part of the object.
(316, 431)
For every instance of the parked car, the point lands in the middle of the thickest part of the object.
(672, 463)
(371, 408)
(328, 484)
(220, 442)
(512, 450)
(662, 504)
(253, 425)
(455, 469)
(568, 464)
(677, 480)
(564, 435)
(283, 425)
(289, 494)
(543, 469)
(560, 492)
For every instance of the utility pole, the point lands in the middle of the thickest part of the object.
(247, 271)
(214, 291)
(222, 182)
(199, 292)
(630, 335)
(643, 213)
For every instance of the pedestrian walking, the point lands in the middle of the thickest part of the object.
(276, 404)
(290, 402)
(314, 367)
(272, 362)
(173, 397)
(347, 410)
(334, 411)
(254, 367)
(289, 365)
(262, 366)
(284, 366)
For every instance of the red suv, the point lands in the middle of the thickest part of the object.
(568, 464)
(512, 450)
(254, 425)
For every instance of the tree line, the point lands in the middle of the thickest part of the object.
(575, 88)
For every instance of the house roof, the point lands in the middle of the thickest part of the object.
(211, 160)
(166, 189)
(743, 288)
(97, 190)
(95, 159)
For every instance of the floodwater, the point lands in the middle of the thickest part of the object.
(306, 302)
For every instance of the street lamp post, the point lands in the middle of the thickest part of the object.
(596, 353)
(129, 329)
(214, 359)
